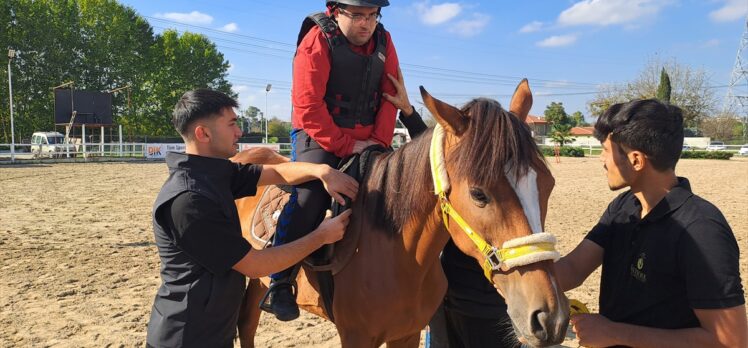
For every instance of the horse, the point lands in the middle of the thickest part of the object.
(476, 177)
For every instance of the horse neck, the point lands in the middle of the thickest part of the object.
(403, 205)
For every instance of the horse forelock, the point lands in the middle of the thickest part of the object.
(400, 185)
(494, 140)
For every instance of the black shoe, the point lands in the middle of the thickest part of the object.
(283, 302)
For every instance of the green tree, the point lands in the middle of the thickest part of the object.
(664, 88)
(561, 134)
(555, 114)
(252, 114)
(100, 45)
(186, 62)
(577, 120)
(691, 91)
(278, 128)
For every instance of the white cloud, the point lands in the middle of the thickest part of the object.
(710, 43)
(193, 17)
(531, 27)
(558, 41)
(610, 12)
(437, 14)
(730, 11)
(471, 27)
(230, 28)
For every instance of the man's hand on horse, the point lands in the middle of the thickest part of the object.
(400, 100)
(338, 184)
(332, 229)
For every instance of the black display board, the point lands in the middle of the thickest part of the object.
(92, 107)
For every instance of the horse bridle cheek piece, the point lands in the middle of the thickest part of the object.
(514, 252)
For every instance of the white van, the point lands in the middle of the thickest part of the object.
(50, 144)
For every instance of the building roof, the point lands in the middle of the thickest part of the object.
(583, 131)
(535, 120)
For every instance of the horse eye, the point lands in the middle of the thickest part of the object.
(479, 197)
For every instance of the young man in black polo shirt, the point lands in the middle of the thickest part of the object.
(204, 259)
(670, 274)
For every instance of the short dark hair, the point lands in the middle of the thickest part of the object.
(649, 126)
(199, 104)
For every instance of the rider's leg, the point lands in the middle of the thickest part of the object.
(301, 215)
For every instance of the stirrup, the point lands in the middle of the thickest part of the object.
(265, 302)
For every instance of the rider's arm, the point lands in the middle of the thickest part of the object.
(384, 123)
(311, 71)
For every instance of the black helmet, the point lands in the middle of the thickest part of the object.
(362, 3)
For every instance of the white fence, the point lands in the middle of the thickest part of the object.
(149, 151)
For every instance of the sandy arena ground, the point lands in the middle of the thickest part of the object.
(79, 267)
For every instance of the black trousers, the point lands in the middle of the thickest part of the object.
(450, 328)
(306, 207)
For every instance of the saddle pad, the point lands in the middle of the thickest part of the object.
(265, 216)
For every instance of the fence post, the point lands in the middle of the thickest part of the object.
(120, 140)
(83, 140)
(101, 141)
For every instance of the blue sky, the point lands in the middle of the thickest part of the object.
(462, 49)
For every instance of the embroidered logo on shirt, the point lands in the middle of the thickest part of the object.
(381, 56)
(637, 269)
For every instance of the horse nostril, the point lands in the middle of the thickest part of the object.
(538, 325)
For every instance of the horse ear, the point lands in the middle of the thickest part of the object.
(448, 116)
(521, 100)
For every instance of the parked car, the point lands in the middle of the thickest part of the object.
(687, 148)
(743, 150)
(716, 146)
(49, 144)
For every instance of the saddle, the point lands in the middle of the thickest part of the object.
(274, 198)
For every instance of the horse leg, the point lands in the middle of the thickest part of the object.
(411, 341)
(249, 314)
(349, 339)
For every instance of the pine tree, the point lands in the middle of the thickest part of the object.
(663, 90)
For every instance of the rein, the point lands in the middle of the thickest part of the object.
(515, 252)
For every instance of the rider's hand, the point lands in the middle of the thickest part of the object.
(361, 145)
(332, 230)
(338, 183)
(401, 99)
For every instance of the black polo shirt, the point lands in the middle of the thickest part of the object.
(681, 256)
(199, 239)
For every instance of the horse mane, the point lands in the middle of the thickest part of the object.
(400, 183)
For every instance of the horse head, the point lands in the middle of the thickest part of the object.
(493, 186)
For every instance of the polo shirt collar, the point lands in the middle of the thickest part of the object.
(678, 195)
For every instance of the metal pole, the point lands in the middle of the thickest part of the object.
(11, 55)
(267, 89)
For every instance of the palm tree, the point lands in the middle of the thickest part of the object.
(561, 134)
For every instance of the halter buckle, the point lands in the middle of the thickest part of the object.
(493, 259)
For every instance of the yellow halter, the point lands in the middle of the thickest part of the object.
(515, 252)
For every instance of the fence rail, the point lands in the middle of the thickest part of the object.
(35, 152)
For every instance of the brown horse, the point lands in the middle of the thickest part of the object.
(495, 186)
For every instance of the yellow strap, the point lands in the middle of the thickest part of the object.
(493, 257)
(577, 307)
